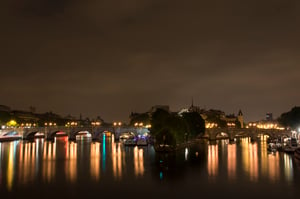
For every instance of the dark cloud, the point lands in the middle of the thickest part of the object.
(111, 57)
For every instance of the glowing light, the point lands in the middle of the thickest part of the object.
(71, 164)
(95, 161)
(213, 161)
(10, 167)
(161, 175)
(103, 152)
(138, 161)
(288, 167)
(253, 161)
(186, 152)
(12, 123)
(231, 161)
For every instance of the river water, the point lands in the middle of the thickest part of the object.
(88, 169)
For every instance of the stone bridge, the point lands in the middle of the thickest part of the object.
(50, 132)
(253, 133)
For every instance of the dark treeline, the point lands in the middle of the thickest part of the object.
(172, 128)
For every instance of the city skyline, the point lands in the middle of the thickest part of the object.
(111, 58)
(268, 116)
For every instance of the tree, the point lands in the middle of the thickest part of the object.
(290, 119)
(167, 127)
(139, 117)
(195, 123)
(158, 121)
(4, 117)
(214, 116)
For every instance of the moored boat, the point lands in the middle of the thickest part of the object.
(297, 154)
(290, 146)
(272, 147)
(297, 157)
(142, 141)
(130, 142)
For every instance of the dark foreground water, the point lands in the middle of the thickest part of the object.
(108, 169)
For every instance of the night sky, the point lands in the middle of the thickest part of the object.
(112, 57)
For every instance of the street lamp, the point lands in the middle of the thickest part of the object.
(117, 125)
(48, 124)
(95, 123)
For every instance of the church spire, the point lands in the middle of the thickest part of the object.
(240, 112)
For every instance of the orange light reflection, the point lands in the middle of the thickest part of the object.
(213, 161)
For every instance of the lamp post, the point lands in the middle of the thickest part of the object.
(48, 124)
(94, 124)
(117, 126)
(141, 124)
(136, 127)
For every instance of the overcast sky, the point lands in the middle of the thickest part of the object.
(111, 57)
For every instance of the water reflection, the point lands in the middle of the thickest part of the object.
(212, 160)
(231, 161)
(264, 158)
(0, 164)
(256, 161)
(103, 152)
(71, 162)
(11, 165)
(273, 167)
(250, 158)
(288, 167)
(117, 160)
(186, 153)
(138, 161)
(95, 160)
(29, 160)
(49, 155)
(24, 163)
(253, 161)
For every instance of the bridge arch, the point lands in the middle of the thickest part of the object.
(222, 135)
(53, 134)
(241, 134)
(33, 134)
(73, 135)
(12, 132)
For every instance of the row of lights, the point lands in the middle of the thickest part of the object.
(264, 126)
(50, 124)
(231, 124)
(138, 124)
(76, 124)
(117, 123)
(28, 125)
(96, 123)
(211, 125)
(215, 125)
(141, 124)
(71, 124)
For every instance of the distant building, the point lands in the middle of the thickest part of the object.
(269, 116)
(216, 118)
(193, 108)
(240, 118)
(4, 108)
(267, 123)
